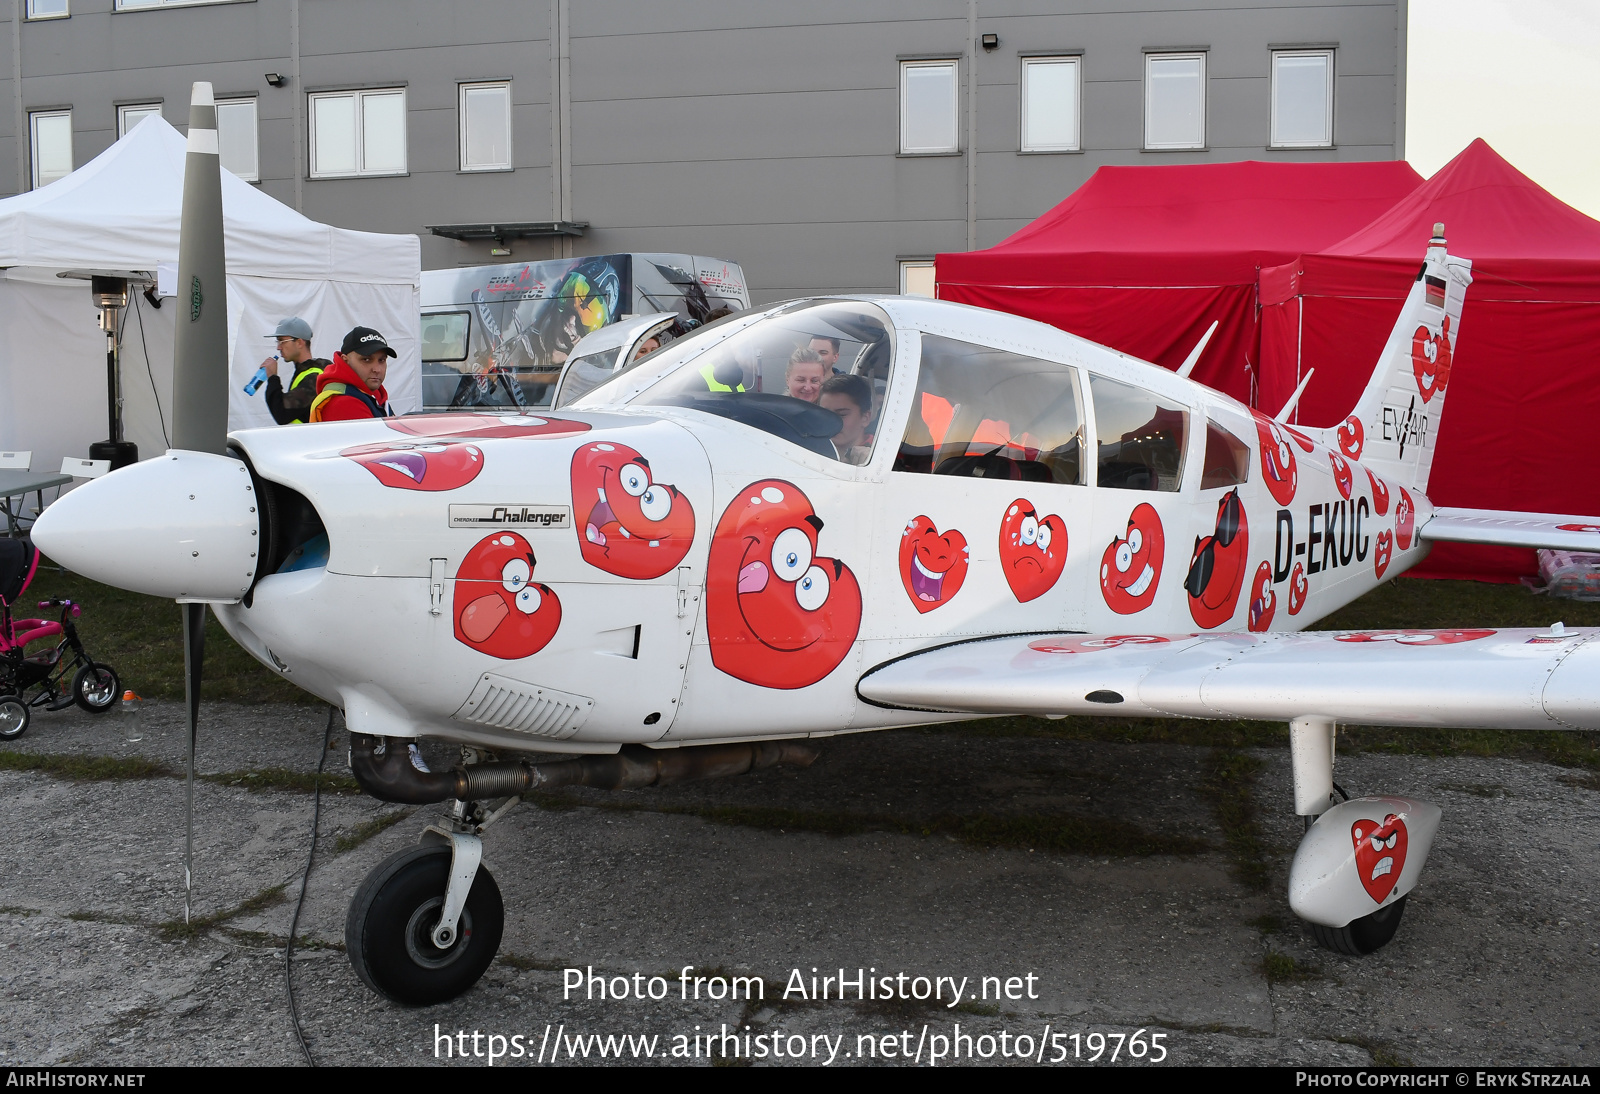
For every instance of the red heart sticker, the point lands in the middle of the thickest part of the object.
(1033, 551)
(1430, 359)
(1343, 477)
(1380, 854)
(1380, 495)
(932, 566)
(1405, 520)
(1351, 437)
(1299, 589)
(1382, 552)
(1263, 601)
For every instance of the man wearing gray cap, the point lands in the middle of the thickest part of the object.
(294, 347)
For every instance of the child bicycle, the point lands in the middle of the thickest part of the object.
(29, 680)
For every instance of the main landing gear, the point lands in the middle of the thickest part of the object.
(1360, 858)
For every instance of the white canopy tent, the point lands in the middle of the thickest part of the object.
(120, 212)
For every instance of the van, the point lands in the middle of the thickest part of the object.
(497, 336)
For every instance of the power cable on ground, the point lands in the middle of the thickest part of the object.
(305, 882)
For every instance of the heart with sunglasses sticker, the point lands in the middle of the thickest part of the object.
(1217, 568)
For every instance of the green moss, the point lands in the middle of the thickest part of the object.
(281, 778)
(177, 929)
(83, 768)
(1230, 783)
(1280, 968)
(367, 829)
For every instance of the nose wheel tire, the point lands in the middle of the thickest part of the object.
(96, 688)
(1362, 936)
(13, 717)
(389, 931)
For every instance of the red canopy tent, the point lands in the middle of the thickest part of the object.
(1142, 259)
(1523, 395)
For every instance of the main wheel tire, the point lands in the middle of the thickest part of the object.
(388, 933)
(1360, 937)
(14, 716)
(96, 688)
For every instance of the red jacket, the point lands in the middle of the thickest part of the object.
(337, 405)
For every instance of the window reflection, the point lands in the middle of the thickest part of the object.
(1141, 437)
(1227, 461)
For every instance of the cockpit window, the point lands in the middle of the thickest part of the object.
(990, 413)
(1140, 435)
(1227, 461)
(813, 374)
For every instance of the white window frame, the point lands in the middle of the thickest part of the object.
(461, 124)
(1283, 53)
(1176, 146)
(146, 5)
(909, 264)
(126, 108)
(66, 11)
(1077, 104)
(33, 140)
(360, 97)
(954, 64)
(255, 121)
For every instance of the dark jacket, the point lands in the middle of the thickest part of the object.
(294, 406)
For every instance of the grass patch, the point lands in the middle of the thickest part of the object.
(281, 778)
(1269, 924)
(1587, 782)
(1382, 1054)
(1042, 832)
(1230, 782)
(982, 1010)
(175, 929)
(1280, 968)
(1478, 790)
(142, 638)
(83, 768)
(369, 828)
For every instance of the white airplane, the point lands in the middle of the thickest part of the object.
(688, 572)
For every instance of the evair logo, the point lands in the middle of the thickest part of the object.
(195, 299)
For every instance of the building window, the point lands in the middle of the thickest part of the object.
(358, 133)
(130, 116)
(927, 107)
(1050, 104)
(1174, 100)
(47, 9)
(236, 137)
(138, 5)
(916, 278)
(51, 132)
(486, 127)
(1302, 98)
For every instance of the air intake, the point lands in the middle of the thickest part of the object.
(504, 703)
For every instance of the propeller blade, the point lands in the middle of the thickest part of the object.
(200, 350)
(194, 653)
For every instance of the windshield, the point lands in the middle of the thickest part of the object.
(813, 373)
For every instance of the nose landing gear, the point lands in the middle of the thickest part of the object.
(393, 935)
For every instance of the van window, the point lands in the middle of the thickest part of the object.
(444, 336)
(1140, 436)
(989, 413)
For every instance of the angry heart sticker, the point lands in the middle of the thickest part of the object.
(1380, 854)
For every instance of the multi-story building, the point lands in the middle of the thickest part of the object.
(831, 145)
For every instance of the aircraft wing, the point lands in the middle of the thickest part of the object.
(1503, 528)
(1499, 679)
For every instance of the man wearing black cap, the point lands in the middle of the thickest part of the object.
(293, 406)
(352, 387)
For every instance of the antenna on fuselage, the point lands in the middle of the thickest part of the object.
(1294, 400)
(1194, 355)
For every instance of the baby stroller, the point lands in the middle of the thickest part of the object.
(95, 687)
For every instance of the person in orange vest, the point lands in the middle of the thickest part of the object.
(352, 387)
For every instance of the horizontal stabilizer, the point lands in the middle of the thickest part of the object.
(1505, 528)
(1466, 679)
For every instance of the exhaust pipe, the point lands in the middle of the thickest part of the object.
(392, 770)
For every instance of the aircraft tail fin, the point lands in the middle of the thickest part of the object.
(1392, 429)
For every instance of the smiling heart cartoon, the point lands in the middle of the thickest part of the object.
(1430, 359)
(1033, 552)
(1299, 589)
(1405, 520)
(1380, 495)
(1130, 569)
(1382, 551)
(1263, 601)
(499, 609)
(932, 566)
(1380, 854)
(1351, 437)
(1343, 477)
(628, 524)
(1278, 466)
